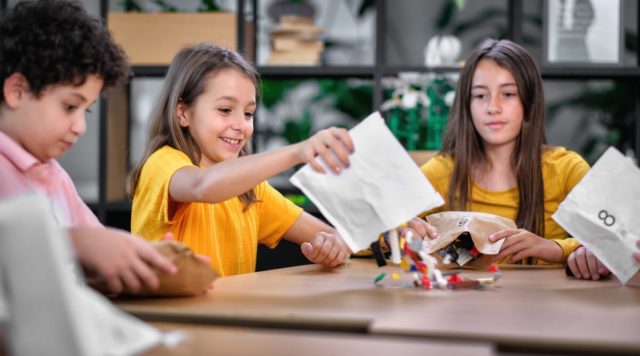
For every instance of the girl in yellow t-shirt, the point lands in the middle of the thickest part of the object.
(494, 156)
(198, 181)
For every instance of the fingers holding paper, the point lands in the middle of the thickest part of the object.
(332, 145)
(326, 249)
(521, 243)
(585, 265)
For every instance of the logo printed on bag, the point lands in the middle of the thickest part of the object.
(463, 220)
(606, 218)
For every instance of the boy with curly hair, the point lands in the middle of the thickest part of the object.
(55, 60)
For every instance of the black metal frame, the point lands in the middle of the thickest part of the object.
(376, 73)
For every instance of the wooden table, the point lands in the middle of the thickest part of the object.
(238, 341)
(529, 310)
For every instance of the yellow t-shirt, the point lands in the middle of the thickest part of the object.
(221, 231)
(561, 171)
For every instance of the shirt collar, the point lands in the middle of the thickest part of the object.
(15, 153)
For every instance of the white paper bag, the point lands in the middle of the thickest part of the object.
(602, 212)
(381, 189)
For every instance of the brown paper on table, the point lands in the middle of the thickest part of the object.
(452, 224)
(193, 277)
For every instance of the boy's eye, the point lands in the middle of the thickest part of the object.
(70, 108)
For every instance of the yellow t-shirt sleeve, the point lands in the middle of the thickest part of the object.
(277, 214)
(150, 210)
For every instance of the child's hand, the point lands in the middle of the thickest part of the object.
(334, 145)
(326, 249)
(420, 228)
(521, 243)
(123, 261)
(585, 265)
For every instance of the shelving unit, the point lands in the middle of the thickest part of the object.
(112, 212)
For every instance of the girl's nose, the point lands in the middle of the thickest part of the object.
(494, 106)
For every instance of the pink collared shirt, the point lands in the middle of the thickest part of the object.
(21, 172)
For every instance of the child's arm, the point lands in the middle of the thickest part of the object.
(585, 265)
(124, 261)
(521, 243)
(319, 242)
(230, 178)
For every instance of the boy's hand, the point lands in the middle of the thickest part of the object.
(334, 145)
(326, 249)
(123, 261)
(585, 265)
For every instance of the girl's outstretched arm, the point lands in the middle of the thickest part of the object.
(230, 178)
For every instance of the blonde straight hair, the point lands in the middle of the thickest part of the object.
(185, 81)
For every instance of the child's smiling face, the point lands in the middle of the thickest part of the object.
(49, 124)
(221, 118)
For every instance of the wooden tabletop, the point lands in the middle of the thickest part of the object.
(238, 341)
(528, 309)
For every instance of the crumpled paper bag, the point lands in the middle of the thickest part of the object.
(193, 277)
(465, 230)
(602, 212)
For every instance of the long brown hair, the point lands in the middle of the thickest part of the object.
(463, 143)
(185, 81)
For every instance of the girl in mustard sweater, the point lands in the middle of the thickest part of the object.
(494, 156)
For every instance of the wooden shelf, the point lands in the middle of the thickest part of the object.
(316, 71)
(566, 72)
(149, 71)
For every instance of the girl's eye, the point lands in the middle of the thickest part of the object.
(510, 94)
(225, 110)
(248, 115)
(88, 111)
(478, 96)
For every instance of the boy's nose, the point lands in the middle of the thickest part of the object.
(79, 126)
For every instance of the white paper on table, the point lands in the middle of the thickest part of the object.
(382, 188)
(602, 212)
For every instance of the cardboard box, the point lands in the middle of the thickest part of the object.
(154, 38)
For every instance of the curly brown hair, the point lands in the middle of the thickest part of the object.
(56, 42)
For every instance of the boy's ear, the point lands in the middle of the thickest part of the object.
(183, 115)
(14, 88)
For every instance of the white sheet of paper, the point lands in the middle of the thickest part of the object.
(601, 212)
(46, 300)
(381, 189)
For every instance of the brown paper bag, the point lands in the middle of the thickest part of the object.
(461, 232)
(193, 277)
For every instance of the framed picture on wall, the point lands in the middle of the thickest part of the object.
(583, 32)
